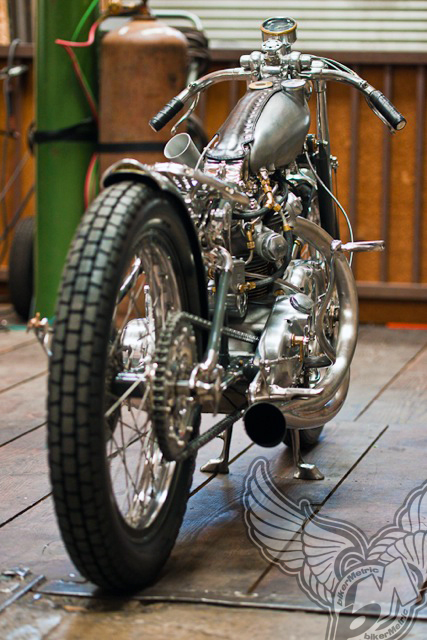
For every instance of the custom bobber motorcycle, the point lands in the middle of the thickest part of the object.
(213, 283)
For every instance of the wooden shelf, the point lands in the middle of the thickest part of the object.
(23, 51)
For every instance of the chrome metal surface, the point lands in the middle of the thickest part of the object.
(335, 382)
(359, 247)
(320, 72)
(42, 331)
(278, 340)
(270, 245)
(303, 470)
(139, 475)
(280, 131)
(213, 78)
(225, 263)
(162, 172)
(176, 356)
(182, 149)
(238, 131)
(220, 464)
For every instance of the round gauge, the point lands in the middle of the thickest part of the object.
(278, 26)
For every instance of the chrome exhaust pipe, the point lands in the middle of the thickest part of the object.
(182, 149)
(316, 410)
(265, 424)
(308, 420)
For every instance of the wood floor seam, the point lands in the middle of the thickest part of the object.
(15, 347)
(393, 379)
(25, 433)
(23, 511)
(18, 384)
(318, 509)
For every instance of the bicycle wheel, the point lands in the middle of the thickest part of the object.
(119, 503)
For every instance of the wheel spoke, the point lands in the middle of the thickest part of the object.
(140, 475)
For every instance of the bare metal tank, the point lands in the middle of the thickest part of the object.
(268, 125)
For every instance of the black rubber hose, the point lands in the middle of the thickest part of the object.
(250, 215)
(277, 274)
(290, 240)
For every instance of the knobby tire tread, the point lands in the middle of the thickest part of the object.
(77, 478)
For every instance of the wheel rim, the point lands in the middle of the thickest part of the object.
(140, 477)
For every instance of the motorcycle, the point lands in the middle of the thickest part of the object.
(210, 283)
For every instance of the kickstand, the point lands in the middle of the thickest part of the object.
(220, 465)
(303, 470)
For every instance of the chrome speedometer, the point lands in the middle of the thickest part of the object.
(279, 27)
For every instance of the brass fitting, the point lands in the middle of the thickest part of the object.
(116, 7)
(250, 236)
(300, 341)
(34, 323)
(247, 286)
(266, 187)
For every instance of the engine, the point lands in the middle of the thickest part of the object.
(278, 282)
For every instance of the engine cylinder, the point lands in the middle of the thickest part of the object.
(143, 65)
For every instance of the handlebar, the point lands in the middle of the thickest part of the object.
(376, 100)
(166, 114)
(170, 110)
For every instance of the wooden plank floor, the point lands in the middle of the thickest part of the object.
(372, 456)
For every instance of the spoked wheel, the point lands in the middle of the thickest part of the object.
(119, 502)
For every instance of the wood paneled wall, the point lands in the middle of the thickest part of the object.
(381, 182)
(4, 23)
(16, 152)
(382, 179)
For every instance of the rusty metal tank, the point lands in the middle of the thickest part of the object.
(143, 65)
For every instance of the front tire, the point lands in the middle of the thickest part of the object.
(119, 503)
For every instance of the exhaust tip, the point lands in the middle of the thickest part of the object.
(265, 424)
(181, 148)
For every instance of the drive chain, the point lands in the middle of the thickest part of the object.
(226, 331)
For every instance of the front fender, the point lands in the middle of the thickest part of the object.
(132, 170)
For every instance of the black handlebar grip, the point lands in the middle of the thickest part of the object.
(387, 110)
(166, 114)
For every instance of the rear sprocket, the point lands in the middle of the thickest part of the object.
(175, 412)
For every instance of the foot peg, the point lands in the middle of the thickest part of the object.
(358, 247)
(303, 470)
(220, 464)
